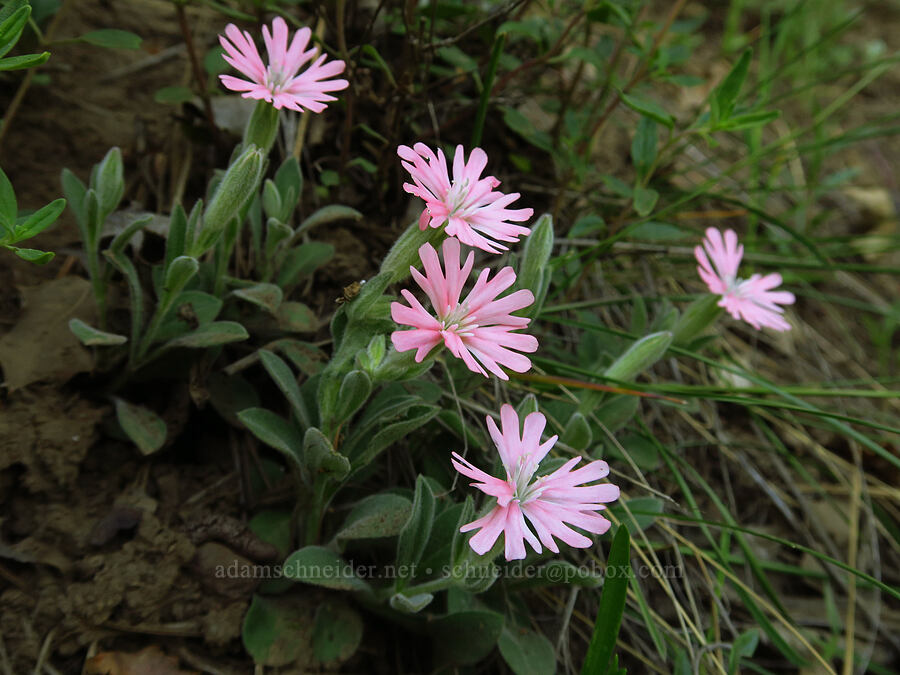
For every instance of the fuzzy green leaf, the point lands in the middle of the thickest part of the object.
(640, 356)
(465, 638)
(108, 181)
(266, 296)
(527, 652)
(376, 516)
(303, 260)
(296, 317)
(337, 632)
(319, 566)
(272, 628)
(355, 389)
(274, 431)
(181, 271)
(577, 433)
(320, 456)
(329, 214)
(93, 337)
(173, 95)
(415, 534)
(286, 381)
(410, 604)
(536, 253)
(142, 425)
(211, 335)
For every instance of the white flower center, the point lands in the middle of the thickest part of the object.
(521, 478)
(275, 79)
(457, 320)
(733, 285)
(456, 196)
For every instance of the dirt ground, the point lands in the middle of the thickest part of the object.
(101, 549)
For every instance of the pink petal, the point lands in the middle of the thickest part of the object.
(491, 527)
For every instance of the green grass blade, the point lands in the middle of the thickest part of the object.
(612, 605)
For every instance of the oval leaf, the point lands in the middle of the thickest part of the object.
(355, 389)
(93, 337)
(527, 652)
(273, 430)
(211, 335)
(640, 356)
(382, 515)
(173, 95)
(329, 214)
(466, 637)
(321, 567)
(304, 260)
(181, 271)
(143, 426)
(641, 513)
(276, 631)
(267, 296)
(415, 534)
(321, 457)
(286, 381)
(40, 220)
(647, 108)
(112, 38)
(411, 604)
(33, 255)
(296, 318)
(337, 632)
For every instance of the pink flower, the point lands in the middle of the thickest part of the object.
(278, 83)
(474, 212)
(551, 503)
(753, 299)
(479, 328)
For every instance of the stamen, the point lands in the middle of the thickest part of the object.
(456, 195)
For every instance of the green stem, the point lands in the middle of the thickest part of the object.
(161, 310)
(313, 521)
(223, 255)
(98, 283)
(433, 586)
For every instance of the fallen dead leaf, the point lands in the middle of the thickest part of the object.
(149, 661)
(41, 346)
(875, 202)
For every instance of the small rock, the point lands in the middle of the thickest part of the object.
(225, 572)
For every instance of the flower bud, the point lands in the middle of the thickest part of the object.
(237, 186)
(400, 366)
(536, 253)
(700, 315)
(405, 252)
(371, 358)
(639, 356)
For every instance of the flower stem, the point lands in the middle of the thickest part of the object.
(433, 586)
